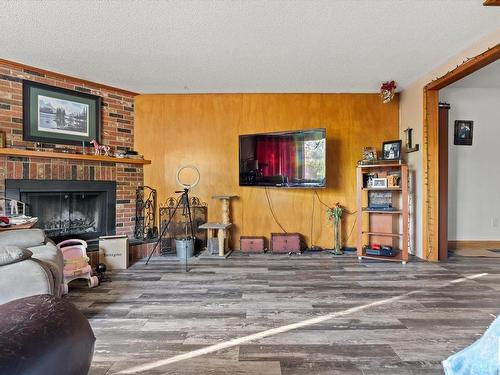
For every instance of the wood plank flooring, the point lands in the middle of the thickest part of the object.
(149, 313)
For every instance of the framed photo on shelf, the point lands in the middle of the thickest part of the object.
(369, 153)
(393, 181)
(391, 150)
(463, 132)
(56, 115)
(380, 183)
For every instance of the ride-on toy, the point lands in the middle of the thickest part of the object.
(76, 263)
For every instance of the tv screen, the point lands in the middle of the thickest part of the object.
(284, 159)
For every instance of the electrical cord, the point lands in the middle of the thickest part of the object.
(344, 210)
(319, 199)
(352, 229)
(272, 210)
(273, 214)
(327, 206)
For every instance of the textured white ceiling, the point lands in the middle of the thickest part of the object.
(242, 46)
(487, 77)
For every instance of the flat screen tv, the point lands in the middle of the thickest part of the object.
(294, 159)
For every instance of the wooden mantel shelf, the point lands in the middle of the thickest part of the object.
(58, 155)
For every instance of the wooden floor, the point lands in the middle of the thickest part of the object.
(155, 312)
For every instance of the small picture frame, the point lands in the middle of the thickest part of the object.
(392, 181)
(391, 150)
(379, 183)
(369, 153)
(369, 179)
(463, 132)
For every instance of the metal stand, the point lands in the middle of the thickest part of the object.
(184, 199)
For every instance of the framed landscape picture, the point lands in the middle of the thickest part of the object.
(56, 115)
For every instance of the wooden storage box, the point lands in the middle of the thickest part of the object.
(252, 244)
(286, 243)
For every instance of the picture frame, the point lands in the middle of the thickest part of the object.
(391, 150)
(463, 132)
(60, 116)
(369, 153)
(379, 183)
(369, 179)
(393, 181)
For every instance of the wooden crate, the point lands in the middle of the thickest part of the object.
(252, 244)
(286, 243)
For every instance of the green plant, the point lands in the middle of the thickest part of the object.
(335, 215)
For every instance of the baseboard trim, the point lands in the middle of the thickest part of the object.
(474, 245)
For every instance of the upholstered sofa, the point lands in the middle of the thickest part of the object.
(30, 264)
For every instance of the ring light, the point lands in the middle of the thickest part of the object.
(189, 185)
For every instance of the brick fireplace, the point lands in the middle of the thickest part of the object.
(117, 132)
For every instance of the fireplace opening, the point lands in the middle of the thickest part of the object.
(68, 209)
(66, 214)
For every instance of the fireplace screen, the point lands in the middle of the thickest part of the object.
(68, 214)
(68, 208)
(177, 227)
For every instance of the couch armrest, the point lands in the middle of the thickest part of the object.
(26, 278)
(12, 254)
(22, 237)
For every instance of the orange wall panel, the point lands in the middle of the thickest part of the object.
(202, 130)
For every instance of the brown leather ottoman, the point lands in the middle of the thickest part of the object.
(44, 335)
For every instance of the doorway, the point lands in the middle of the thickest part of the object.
(470, 124)
(435, 193)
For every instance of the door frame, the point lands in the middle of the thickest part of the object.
(430, 150)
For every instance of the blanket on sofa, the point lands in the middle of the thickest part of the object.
(480, 358)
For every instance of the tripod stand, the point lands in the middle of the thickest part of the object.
(186, 211)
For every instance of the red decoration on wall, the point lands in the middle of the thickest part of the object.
(387, 91)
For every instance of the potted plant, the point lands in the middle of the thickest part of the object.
(335, 215)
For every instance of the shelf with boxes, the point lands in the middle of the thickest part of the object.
(382, 200)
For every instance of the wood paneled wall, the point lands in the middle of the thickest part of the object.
(175, 130)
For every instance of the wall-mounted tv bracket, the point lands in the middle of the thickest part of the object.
(409, 142)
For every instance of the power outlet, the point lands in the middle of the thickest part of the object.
(494, 222)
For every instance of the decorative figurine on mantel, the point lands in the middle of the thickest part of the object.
(100, 149)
